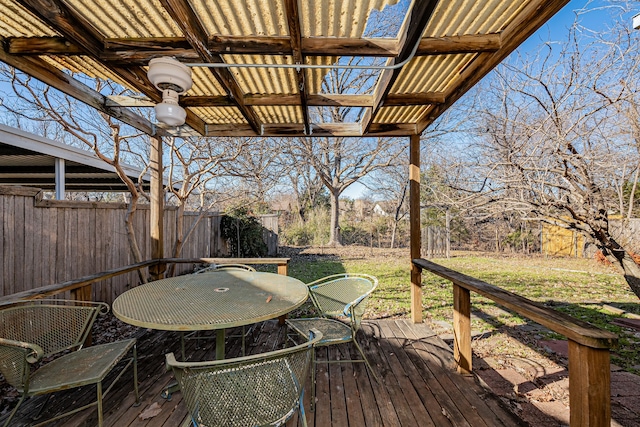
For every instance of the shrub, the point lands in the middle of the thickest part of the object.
(243, 231)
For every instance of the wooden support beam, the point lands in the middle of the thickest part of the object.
(411, 33)
(404, 99)
(589, 386)
(414, 227)
(67, 22)
(462, 329)
(188, 21)
(156, 217)
(317, 129)
(468, 43)
(295, 34)
(316, 100)
(81, 33)
(140, 50)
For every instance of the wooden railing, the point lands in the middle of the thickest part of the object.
(589, 362)
(81, 288)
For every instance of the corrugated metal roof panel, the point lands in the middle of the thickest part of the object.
(471, 17)
(431, 73)
(264, 80)
(127, 18)
(84, 65)
(400, 114)
(16, 21)
(337, 18)
(279, 114)
(243, 18)
(219, 115)
(204, 83)
(315, 76)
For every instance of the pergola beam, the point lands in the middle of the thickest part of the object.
(140, 51)
(317, 100)
(295, 34)
(317, 129)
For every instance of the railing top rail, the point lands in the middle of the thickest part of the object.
(227, 260)
(574, 329)
(57, 288)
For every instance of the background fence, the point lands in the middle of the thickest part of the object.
(53, 241)
(435, 242)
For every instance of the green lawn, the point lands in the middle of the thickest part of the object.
(579, 287)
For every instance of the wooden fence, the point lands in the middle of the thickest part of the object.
(436, 242)
(44, 242)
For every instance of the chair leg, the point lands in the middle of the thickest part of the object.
(182, 338)
(367, 361)
(135, 375)
(14, 410)
(301, 413)
(41, 408)
(243, 337)
(99, 388)
(313, 380)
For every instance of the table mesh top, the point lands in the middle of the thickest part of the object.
(214, 300)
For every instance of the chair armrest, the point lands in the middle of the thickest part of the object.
(32, 356)
(320, 281)
(170, 359)
(353, 304)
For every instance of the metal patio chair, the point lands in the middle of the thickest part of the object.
(31, 330)
(340, 299)
(260, 390)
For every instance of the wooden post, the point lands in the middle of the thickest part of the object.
(462, 329)
(414, 225)
(589, 386)
(157, 208)
(283, 268)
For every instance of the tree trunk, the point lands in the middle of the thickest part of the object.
(631, 270)
(335, 237)
(131, 235)
(177, 245)
(394, 227)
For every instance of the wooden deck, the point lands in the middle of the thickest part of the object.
(420, 385)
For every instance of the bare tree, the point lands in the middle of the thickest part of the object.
(392, 185)
(194, 166)
(339, 162)
(557, 138)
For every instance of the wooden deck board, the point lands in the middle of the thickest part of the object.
(420, 386)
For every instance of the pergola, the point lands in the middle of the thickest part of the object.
(257, 68)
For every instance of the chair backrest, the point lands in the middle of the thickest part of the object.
(344, 294)
(216, 267)
(30, 330)
(262, 389)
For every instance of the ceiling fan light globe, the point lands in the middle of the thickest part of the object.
(170, 114)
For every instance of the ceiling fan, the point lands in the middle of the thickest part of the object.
(173, 78)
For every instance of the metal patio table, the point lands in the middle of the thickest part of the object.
(210, 301)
